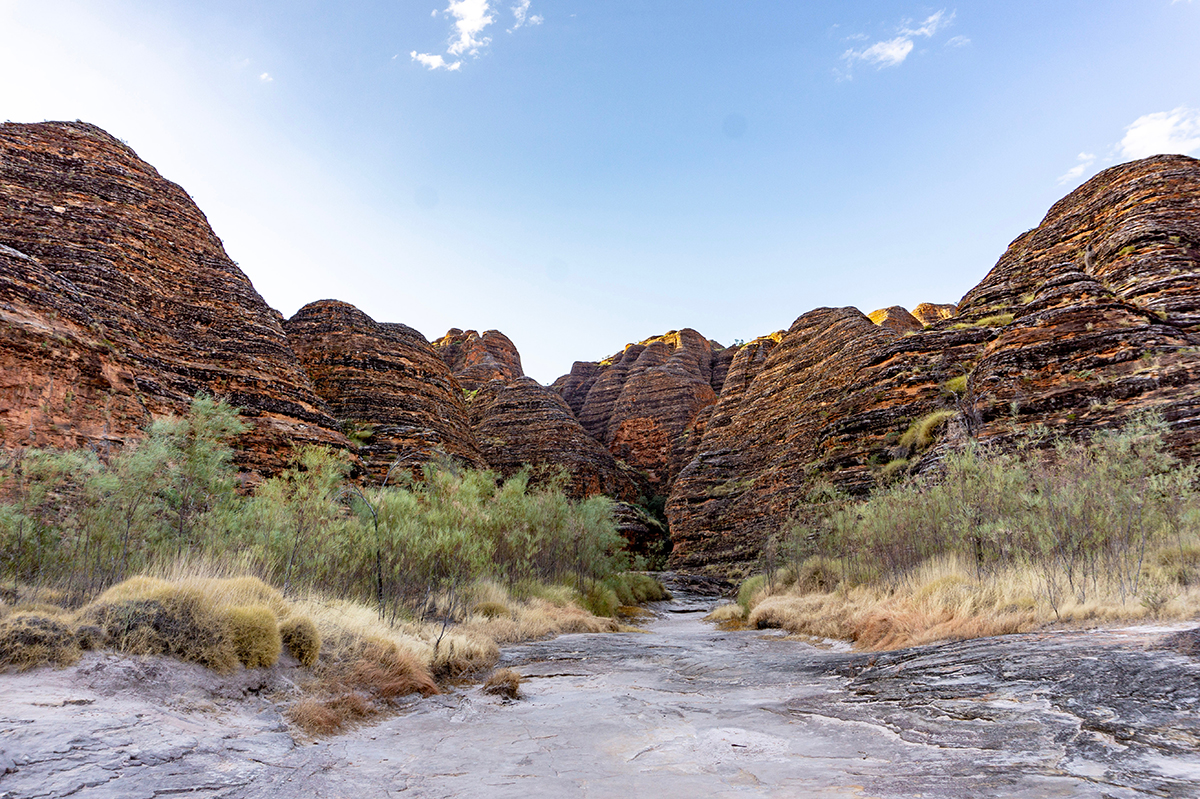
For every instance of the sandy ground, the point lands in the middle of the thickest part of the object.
(682, 711)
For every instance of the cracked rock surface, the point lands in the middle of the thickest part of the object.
(684, 710)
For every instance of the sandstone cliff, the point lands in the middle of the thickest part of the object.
(1084, 321)
(118, 304)
(386, 384)
(643, 403)
(523, 422)
(476, 359)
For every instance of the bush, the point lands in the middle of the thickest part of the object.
(600, 600)
(748, 589)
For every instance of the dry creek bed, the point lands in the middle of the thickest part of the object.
(684, 710)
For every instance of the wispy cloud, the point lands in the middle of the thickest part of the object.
(521, 16)
(1175, 131)
(1085, 161)
(435, 61)
(266, 78)
(471, 19)
(1164, 132)
(893, 52)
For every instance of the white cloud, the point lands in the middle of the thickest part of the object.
(1175, 131)
(1074, 173)
(521, 16)
(957, 41)
(887, 54)
(932, 24)
(266, 78)
(470, 18)
(434, 61)
(893, 52)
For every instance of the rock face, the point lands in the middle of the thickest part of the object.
(895, 318)
(927, 312)
(476, 359)
(523, 422)
(642, 404)
(391, 390)
(118, 304)
(1088, 319)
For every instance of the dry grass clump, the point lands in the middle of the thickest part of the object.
(255, 633)
(363, 665)
(944, 600)
(505, 683)
(219, 622)
(728, 617)
(149, 616)
(36, 638)
(301, 638)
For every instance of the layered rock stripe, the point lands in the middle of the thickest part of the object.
(1085, 321)
(118, 304)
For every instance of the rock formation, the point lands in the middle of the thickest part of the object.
(1084, 321)
(643, 402)
(523, 422)
(476, 359)
(118, 304)
(895, 318)
(384, 381)
(928, 313)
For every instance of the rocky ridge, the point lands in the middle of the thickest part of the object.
(118, 304)
(395, 396)
(643, 402)
(1086, 320)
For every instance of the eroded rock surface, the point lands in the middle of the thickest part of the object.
(387, 385)
(118, 304)
(523, 422)
(474, 359)
(683, 711)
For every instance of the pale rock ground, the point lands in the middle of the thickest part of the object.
(684, 710)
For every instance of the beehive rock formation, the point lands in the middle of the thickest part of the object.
(642, 403)
(927, 313)
(895, 318)
(118, 304)
(1084, 321)
(474, 359)
(386, 384)
(524, 422)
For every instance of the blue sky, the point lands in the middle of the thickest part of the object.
(606, 171)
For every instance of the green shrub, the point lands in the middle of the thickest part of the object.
(919, 434)
(599, 600)
(956, 385)
(748, 589)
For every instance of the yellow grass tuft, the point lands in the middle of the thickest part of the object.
(255, 633)
(29, 639)
(944, 599)
(505, 683)
(302, 640)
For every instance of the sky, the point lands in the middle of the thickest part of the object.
(581, 175)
